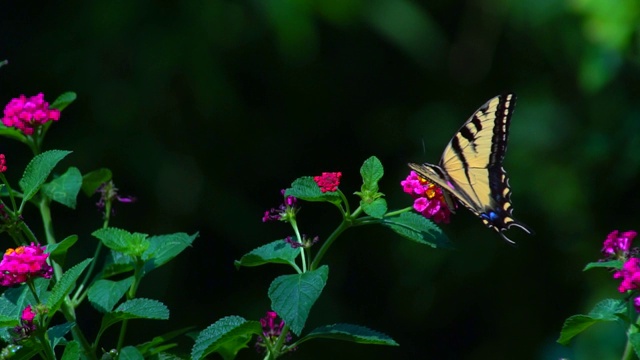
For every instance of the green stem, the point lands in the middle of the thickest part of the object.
(79, 295)
(629, 353)
(344, 225)
(46, 345)
(294, 224)
(137, 278)
(67, 306)
(10, 191)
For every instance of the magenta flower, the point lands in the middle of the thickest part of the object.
(630, 274)
(23, 263)
(428, 198)
(285, 212)
(26, 114)
(26, 327)
(3, 163)
(109, 194)
(328, 181)
(618, 245)
(306, 242)
(271, 331)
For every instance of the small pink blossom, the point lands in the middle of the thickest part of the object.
(618, 245)
(26, 114)
(3, 163)
(285, 212)
(328, 181)
(271, 330)
(22, 263)
(28, 314)
(630, 274)
(428, 198)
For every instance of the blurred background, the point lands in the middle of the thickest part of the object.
(204, 110)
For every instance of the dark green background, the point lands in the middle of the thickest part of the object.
(204, 110)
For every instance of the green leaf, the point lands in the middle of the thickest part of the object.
(92, 181)
(159, 343)
(163, 248)
(417, 228)
(56, 333)
(38, 171)
(136, 309)
(64, 286)
(133, 244)
(58, 251)
(615, 264)
(63, 100)
(130, 353)
(9, 312)
(105, 294)
(292, 296)
(64, 189)
(350, 332)
(227, 336)
(71, 351)
(371, 172)
(605, 311)
(12, 133)
(277, 252)
(634, 339)
(143, 309)
(306, 189)
(377, 208)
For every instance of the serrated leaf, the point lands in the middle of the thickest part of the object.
(350, 332)
(417, 228)
(230, 333)
(292, 296)
(136, 309)
(143, 309)
(605, 311)
(133, 244)
(306, 189)
(615, 264)
(105, 294)
(277, 252)
(9, 312)
(371, 172)
(38, 171)
(130, 353)
(71, 351)
(64, 286)
(64, 189)
(56, 333)
(58, 251)
(64, 100)
(163, 248)
(92, 181)
(377, 208)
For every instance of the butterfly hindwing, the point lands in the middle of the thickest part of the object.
(471, 165)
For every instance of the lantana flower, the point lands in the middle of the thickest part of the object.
(109, 194)
(428, 198)
(27, 326)
(3, 163)
(271, 331)
(23, 263)
(328, 181)
(26, 114)
(285, 212)
(306, 242)
(618, 245)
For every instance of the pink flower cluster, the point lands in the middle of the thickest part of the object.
(618, 245)
(271, 330)
(630, 275)
(26, 114)
(26, 327)
(3, 163)
(428, 198)
(328, 181)
(284, 212)
(22, 263)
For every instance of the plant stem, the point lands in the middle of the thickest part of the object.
(344, 225)
(294, 224)
(67, 306)
(629, 353)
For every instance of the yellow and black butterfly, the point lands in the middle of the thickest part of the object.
(471, 169)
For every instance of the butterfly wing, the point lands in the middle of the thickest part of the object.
(471, 165)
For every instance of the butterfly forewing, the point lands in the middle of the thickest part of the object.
(471, 165)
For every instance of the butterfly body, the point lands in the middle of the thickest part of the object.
(471, 171)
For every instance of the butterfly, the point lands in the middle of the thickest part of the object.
(471, 171)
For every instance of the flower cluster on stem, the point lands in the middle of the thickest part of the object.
(428, 198)
(24, 263)
(28, 113)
